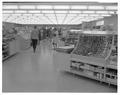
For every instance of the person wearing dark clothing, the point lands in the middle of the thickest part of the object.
(34, 38)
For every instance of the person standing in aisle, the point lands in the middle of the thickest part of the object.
(34, 38)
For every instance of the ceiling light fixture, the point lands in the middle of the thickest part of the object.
(10, 7)
(79, 7)
(26, 7)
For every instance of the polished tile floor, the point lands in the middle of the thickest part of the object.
(38, 72)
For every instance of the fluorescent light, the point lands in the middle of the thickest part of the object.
(79, 7)
(47, 11)
(105, 15)
(96, 7)
(112, 12)
(50, 15)
(71, 15)
(83, 14)
(44, 7)
(94, 15)
(102, 12)
(20, 11)
(27, 7)
(7, 11)
(88, 11)
(61, 7)
(38, 14)
(111, 7)
(74, 11)
(94, 32)
(60, 15)
(34, 11)
(16, 14)
(60, 11)
(27, 15)
(10, 7)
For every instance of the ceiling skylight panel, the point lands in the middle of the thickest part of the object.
(45, 19)
(79, 7)
(112, 12)
(26, 7)
(61, 7)
(95, 7)
(60, 11)
(88, 12)
(100, 17)
(5, 15)
(76, 22)
(20, 11)
(111, 7)
(94, 15)
(16, 14)
(53, 19)
(34, 11)
(51, 15)
(10, 7)
(78, 18)
(60, 15)
(44, 7)
(39, 15)
(68, 18)
(102, 12)
(47, 11)
(74, 11)
(26, 14)
(105, 15)
(7, 12)
(83, 14)
(71, 15)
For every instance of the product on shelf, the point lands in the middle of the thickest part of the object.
(93, 55)
(71, 38)
(9, 35)
(93, 45)
(114, 56)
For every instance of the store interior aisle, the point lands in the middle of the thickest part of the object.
(37, 72)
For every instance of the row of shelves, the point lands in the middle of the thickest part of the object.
(96, 72)
(9, 47)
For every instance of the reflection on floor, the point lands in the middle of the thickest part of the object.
(29, 72)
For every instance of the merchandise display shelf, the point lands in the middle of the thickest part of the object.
(92, 55)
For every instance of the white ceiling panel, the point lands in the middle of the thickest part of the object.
(44, 7)
(102, 12)
(10, 7)
(7, 12)
(45, 11)
(26, 7)
(61, 7)
(79, 7)
(35, 11)
(96, 7)
(88, 12)
(20, 11)
(111, 7)
(56, 13)
(74, 11)
(61, 11)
